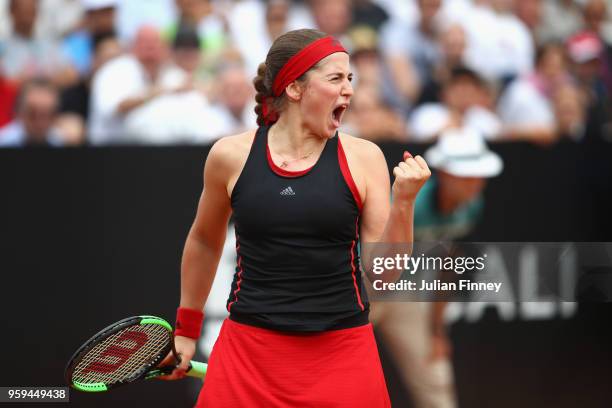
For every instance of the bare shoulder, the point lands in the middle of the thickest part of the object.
(362, 149)
(227, 158)
(230, 152)
(231, 148)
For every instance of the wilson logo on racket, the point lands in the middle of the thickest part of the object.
(124, 352)
(134, 341)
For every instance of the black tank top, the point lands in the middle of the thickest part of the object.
(297, 235)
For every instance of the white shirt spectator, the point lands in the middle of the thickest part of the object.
(181, 118)
(212, 28)
(482, 53)
(5, 20)
(247, 120)
(13, 135)
(400, 38)
(516, 46)
(134, 14)
(524, 106)
(32, 57)
(247, 26)
(429, 120)
(59, 17)
(248, 32)
(119, 79)
(498, 45)
(403, 10)
(559, 21)
(457, 10)
(55, 18)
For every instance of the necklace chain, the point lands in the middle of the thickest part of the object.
(286, 163)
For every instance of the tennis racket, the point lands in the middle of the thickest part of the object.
(126, 351)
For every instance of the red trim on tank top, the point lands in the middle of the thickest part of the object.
(282, 172)
(354, 269)
(348, 178)
(240, 270)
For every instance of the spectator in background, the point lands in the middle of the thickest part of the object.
(560, 19)
(530, 13)
(369, 116)
(36, 108)
(586, 54)
(8, 93)
(401, 10)
(200, 14)
(446, 210)
(515, 43)
(210, 28)
(499, 46)
(452, 40)
(463, 106)
(56, 18)
(99, 22)
(186, 52)
(462, 163)
(277, 13)
(59, 18)
(234, 96)
(27, 55)
(255, 25)
(597, 21)
(179, 117)
(129, 82)
(526, 106)
(596, 18)
(333, 17)
(515, 39)
(75, 100)
(569, 107)
(412, 51)
(132, 15)
(369, 13)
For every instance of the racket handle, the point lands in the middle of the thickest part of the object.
(197, 369)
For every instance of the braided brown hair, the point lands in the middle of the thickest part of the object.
(283, 48)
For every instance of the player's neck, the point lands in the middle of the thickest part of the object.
(291, 137)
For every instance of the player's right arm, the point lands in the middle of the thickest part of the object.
(206, 237)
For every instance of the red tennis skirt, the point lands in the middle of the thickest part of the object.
(255, 367)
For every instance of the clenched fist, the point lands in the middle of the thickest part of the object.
(410, 175)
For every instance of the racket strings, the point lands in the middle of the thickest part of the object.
(133, 348)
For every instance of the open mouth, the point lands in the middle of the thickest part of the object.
(337, 114)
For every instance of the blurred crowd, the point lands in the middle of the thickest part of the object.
(102, 72)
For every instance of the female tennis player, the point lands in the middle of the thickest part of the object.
(302, 195)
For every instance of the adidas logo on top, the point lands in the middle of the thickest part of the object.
(287, 192)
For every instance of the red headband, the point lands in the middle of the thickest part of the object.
(297, 65)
